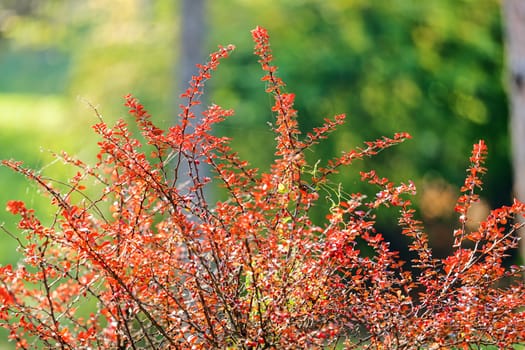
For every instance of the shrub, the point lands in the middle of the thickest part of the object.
(136, 238)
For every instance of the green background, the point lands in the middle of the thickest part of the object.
(432, 68)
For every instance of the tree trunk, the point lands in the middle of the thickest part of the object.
(514, 21)
(191, 52)
(192, 39)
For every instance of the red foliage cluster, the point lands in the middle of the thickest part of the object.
(149, 262)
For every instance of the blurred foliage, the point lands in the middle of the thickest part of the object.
(431, 68)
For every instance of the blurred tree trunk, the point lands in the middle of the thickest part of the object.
(192, 33)
(191, 51)
(514, 20)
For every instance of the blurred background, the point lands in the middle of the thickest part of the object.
(430, 68)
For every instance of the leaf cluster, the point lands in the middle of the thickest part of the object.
(164, 267)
